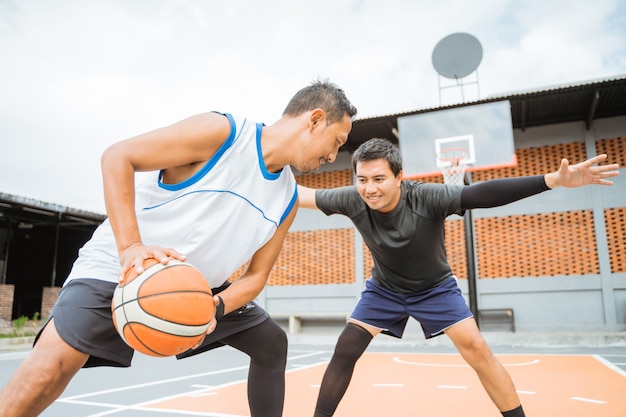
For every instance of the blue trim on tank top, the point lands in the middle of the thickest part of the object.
(290, 206)
(266, 174)
(210, 163)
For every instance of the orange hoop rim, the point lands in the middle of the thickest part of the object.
(453, 160)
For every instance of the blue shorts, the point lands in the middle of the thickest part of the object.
(436, 309)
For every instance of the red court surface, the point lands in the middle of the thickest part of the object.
(408, 384)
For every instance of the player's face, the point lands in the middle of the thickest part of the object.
(324, 145)
(377, 185)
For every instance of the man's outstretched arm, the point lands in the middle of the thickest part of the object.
(306, 197)
(583, 173)
(503, 191)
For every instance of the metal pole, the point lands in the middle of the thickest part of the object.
(57, 231)
(468, 220)
(7, 244)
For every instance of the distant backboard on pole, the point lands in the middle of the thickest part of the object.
(483, 131)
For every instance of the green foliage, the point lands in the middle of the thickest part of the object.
(23, 326)
(19, 323)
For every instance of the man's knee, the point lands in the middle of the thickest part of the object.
(278, 339)
(352, 342)
(53, 358)
(477, 352)
(272, 353)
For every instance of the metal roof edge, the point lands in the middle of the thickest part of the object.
(560, 87)
(504, 96)
(51, 207)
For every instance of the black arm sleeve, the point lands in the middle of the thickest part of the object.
(502, 191)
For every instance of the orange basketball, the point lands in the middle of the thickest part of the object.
(165, 310)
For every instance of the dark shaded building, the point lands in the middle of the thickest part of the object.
(38, 243)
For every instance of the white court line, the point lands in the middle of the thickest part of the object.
(460, 365)
(165, 381)
(306, 355)
(588, 400)
(204, 394)
(149, 384)
(609, 365)
(142, 406)
(116, 408)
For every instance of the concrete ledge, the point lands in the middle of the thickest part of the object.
(13, 344)
(329, 335)
(295, 319)
(508, 339)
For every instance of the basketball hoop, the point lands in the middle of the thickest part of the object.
(452, 162)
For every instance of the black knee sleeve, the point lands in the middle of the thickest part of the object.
(350, 346)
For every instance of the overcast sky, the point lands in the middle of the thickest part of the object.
(76, 76)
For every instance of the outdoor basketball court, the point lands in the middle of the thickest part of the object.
(390, 380)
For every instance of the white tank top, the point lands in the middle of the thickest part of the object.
(218, 218)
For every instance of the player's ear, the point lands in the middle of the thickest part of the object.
(317, 116)
(400, 176)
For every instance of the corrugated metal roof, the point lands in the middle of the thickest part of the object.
(30, 212)
(585, 101)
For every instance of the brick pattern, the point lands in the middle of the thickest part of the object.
(313, 257)
(455, 247)
(7, 292)
(518, 246)
(437, 179)
(615, 148)
(551, 244)
(537, 245)
(615, 220)
(48, 297)
(316, 257)
(533, 161)
(326, 179)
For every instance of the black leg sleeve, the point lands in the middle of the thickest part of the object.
(516, 412)
(266, 344)
(350, 346)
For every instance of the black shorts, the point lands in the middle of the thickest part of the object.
(82, 317)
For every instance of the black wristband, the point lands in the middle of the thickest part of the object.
(219, 310)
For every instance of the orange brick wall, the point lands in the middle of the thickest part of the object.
(551, 244)
(533, 161)
(320, 256)
(536, 245)
(615, 148)
(326, 179)
(316, 257)
(48, 298)
(7, 292)
(615, 220)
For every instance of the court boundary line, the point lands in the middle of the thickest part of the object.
(166, 381)
(609, 365)
(145, 406)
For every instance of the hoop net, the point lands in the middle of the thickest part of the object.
(452, 163)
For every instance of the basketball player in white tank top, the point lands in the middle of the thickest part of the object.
(227, 180)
